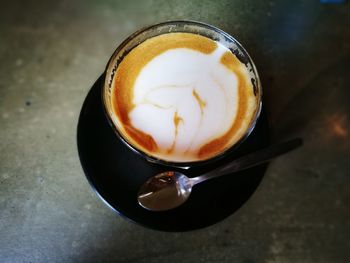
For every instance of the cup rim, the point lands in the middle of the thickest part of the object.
(111, 65)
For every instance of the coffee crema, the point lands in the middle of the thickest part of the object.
(182, 97)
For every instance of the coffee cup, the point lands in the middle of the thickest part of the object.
(182, 93)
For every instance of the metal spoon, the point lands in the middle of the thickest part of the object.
(171, 189)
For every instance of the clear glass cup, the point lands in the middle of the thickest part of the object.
(194, 27)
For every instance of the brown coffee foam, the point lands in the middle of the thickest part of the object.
(200, 102)
(217, 145)
(176, 119)
(130, 67)
(143, 139)
(136, 60)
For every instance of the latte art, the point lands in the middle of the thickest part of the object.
(189, 97)
(182, 97)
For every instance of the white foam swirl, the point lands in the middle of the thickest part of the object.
(188, 85)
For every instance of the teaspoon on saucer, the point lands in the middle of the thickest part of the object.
(171, 189)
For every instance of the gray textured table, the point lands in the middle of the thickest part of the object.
(51, 52)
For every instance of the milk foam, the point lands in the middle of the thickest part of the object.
(184, 99)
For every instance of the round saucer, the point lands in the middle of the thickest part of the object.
(116, 174)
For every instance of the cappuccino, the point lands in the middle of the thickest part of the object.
(182, 97)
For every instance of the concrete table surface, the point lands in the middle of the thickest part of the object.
(51, 52)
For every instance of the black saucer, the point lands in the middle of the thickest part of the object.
(116, 174)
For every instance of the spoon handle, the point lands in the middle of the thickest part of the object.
(250, 160)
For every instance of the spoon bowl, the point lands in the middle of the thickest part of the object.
(165, 191)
